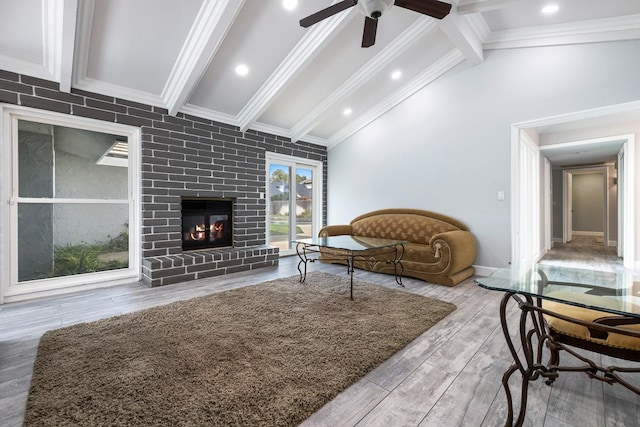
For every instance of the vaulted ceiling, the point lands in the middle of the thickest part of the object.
(182, 54)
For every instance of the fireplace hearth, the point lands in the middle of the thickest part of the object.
(207, 223)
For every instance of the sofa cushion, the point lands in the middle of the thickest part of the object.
(409, 227)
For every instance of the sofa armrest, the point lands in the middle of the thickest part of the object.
(462, 248)
(335, 230)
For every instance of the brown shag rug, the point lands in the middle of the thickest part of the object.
(270, 354)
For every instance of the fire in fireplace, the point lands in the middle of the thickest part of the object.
(207, 223)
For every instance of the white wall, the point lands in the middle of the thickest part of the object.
(447, 148)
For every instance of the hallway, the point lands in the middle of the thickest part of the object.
(584, 252)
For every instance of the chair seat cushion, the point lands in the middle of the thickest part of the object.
(581, 332)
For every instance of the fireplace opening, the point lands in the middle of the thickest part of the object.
(207, 223)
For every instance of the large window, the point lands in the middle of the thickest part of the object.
(72, 202)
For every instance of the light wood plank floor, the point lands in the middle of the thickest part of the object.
(584, 252)
(449, 376)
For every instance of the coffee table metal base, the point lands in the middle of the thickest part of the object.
(305, 250)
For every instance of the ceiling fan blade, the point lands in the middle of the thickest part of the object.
(326, 13)
(434, 8)
(369, 34)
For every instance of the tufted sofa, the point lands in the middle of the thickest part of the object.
(439, 249)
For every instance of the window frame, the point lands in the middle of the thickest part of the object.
(11, 290)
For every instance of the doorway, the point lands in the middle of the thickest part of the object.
(564, 125)
(294, 195)
(570, 155)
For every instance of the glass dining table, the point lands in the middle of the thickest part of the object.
(548, 294)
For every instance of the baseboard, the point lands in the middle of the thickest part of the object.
(557, 240)
(612, 243)
(484, 271)
(588, 233)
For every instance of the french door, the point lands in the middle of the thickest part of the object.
(294, 195)
(70, 214)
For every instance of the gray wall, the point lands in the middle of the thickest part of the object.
(448, 147)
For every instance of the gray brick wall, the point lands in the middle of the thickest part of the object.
(181, 156)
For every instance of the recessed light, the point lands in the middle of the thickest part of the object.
(396, 75)
(242, 70)
(289, 4)
(550, 9)
(347, 111)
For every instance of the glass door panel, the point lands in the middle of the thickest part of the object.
(304, 203)
(279, 223)
(293, 201)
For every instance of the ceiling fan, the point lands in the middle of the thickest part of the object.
(373, 9)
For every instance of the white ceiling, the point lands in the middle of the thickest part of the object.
(181, 55)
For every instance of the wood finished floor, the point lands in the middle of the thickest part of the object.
(584, 252)
(450, 376)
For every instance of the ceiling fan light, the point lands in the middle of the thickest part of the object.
(374, 8)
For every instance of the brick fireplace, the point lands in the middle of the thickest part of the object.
(183, 157)
(187, 158)
(191, 159)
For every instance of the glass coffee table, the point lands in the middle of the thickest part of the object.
(566, 297)
(349, 249)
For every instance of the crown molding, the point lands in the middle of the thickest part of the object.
(440, 67)
(117, 91)
(315, 140)
(421, 28)
(233, 121)
(211, 25)
(597, 30)
(483, 6)
(206, 113)
(25, 67)
(300, 55)
(274, 130)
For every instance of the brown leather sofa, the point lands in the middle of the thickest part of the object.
(439, 249)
